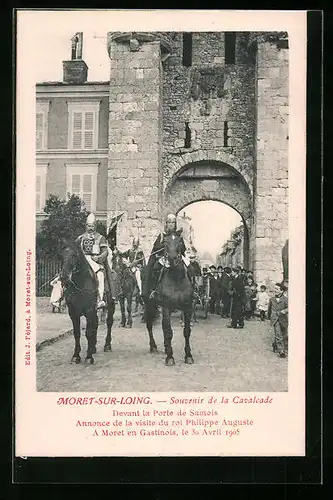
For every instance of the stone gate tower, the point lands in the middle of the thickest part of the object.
(200, 116)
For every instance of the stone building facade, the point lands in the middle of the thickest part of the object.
(197, 116)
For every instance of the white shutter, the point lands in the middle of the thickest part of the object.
(88, 130)
(77, 130)
(39, 130)
(38, 193)
(87, 190)
(76, 184)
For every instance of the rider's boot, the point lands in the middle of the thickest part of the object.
(100, 302)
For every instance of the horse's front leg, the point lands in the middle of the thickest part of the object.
(168, 334)
(122, 311)
(109, 322)
(149, 315)
(187, 334)
(75, 317)
(129, 310)
(91, 334)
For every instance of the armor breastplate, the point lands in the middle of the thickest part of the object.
(88, 245)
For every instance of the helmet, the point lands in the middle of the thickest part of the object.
(91, 219)
(171, 218)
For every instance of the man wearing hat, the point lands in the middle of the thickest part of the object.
(225, 292)
(154, 266)
(278, 315)
(214, 286)
(95, 249)
(238, 300)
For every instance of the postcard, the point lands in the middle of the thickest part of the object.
(160, 233)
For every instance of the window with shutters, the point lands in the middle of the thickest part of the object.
(82, 181)
(42, 111)
(83, 125)
(41, 173)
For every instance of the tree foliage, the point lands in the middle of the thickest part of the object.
(65, 221)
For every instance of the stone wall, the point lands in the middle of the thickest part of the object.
(134, 141)
(271, 201)
(206, 117)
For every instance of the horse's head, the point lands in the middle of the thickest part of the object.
(173, 249)
(70, 258)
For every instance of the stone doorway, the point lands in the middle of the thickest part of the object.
(213, 181)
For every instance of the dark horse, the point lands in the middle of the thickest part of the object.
(80, 286)
(174, 292)
(127, 283)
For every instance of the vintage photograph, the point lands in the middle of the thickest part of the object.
(162, 211)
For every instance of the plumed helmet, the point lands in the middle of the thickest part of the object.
(171, 218)
(91, 219)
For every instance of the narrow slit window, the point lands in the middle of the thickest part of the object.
(187, 135)
(226, 135)
(230, 47)
(187, 49)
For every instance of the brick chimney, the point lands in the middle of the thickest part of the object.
(75, 71)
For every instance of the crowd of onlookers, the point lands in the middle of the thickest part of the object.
(234, 294)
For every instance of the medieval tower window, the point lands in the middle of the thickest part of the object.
(229, 47)
(187, 136)
(225, 135)
(187, 49)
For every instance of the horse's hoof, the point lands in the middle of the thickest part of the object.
(76, 360)
(122, 325)
(129, 325)
(169, 362)
(153, 350)
(89, 361)
(189, 360)
(107, 348)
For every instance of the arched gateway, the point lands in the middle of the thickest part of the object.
(211, 180)
(204, 128)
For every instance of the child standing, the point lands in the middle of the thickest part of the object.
(278, 314)
(57, 292)
(262, 302)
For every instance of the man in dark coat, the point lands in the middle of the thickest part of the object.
(154, 266)
(238, 300)
(278, 315)
(225, 292)
(214, 288)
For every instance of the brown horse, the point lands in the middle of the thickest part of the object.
(174, 292)
(80, 292)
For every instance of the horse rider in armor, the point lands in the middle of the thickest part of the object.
(95, 249)
(136, 261)
(157, 259)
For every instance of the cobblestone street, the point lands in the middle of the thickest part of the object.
(225, 360)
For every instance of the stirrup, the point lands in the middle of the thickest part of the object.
(153, 294)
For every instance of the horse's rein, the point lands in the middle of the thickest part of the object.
(82, 290)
